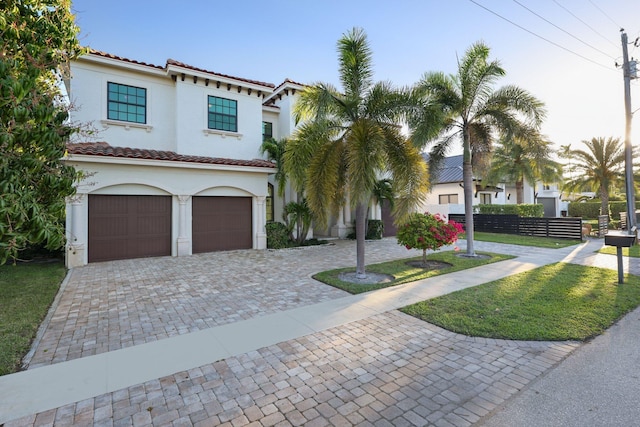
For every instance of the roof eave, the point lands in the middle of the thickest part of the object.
(119, 63)
(177, 70)
(87, 158)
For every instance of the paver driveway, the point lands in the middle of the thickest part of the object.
(388, 369)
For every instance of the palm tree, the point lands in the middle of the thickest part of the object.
(599, 168)
(298, 216)
(523, 157)
(274, 149)
(349, 138)
(472, 111)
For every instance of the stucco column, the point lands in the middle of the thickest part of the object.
(76, 237)
(260, 219)
(339, 229)
(348, 223)
(347, 212)
(184, 242)
(375, 210)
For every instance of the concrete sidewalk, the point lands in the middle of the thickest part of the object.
(495, 369)
(598, 385)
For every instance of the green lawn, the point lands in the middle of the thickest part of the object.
(404, 273)
(555, 302)
(26, 292)
(514, 239)
(633, 251)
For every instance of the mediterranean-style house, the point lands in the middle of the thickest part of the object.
(174, 166)
(447, 193)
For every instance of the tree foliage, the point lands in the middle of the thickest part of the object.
(466, 107)
(427, 232)
(599, 167)
(348, 138)
(523, 157)
(38, 39)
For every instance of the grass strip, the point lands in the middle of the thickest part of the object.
(555, 302)
(26, 293)
(633, 251)
(404, 273)
(515, 239)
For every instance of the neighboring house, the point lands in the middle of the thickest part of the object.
(447, 193)
(174, 166)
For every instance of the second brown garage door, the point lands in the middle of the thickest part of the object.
(221, 223)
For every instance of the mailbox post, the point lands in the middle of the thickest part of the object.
(620, 240)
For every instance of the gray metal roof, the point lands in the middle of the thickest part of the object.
(450, 170)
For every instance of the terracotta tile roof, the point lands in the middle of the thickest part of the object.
(120, 58)
(179, 64)
(289, 81)
(183, 65)
(105, 150)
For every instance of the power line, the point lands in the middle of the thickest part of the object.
(563, 30)
(540, 37)
(587, 25)
(604, 13)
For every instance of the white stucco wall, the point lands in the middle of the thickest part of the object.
(286, 122)
(89, 97)
(194, 138)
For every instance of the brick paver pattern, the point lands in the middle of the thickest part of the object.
(388, 370)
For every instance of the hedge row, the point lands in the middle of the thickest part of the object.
(524, 210)
(591, 210)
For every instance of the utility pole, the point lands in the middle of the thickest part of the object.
(628, 158)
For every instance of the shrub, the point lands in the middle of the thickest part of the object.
(375, 227)
(587, 210)
(524, 210)
(530, 210)
(616, 207)
(314, 242)
(426, 231)
(277, 235)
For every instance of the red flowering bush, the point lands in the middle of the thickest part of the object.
(426, 231)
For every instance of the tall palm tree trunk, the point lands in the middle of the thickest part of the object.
(361, 216)
(520, 191)
(604, 197)
(467, 179)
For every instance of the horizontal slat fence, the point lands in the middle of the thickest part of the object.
(561, 228)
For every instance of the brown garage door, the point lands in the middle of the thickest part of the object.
(123, 227)
(221, 223)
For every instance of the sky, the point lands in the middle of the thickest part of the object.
(562, 51)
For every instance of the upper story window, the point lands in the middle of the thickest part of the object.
(222, 114)
(126, 103)
(267, 130)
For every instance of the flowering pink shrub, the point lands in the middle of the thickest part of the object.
(426, 231)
